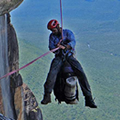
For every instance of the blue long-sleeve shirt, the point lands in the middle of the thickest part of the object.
(68, 39)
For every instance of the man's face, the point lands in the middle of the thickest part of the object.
(56, 31)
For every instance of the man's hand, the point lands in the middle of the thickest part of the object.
(64, 47)
(61, 46)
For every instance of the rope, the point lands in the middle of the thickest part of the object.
(8, 74)
(61, 19)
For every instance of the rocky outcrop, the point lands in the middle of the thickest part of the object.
(16, 99)
(23, 100)
(32, 109)
(8, 5)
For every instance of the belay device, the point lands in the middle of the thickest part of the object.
(66, 88)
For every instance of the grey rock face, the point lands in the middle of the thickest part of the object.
(4, 118)
(5, 94)
(7, 5)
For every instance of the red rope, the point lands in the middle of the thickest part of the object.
(10, 73)
(61, 17)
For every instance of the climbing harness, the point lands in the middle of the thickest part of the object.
(53, 50)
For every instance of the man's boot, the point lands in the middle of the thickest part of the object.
(46, 99)
(90, 102)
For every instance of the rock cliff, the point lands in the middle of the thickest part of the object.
(17, 101)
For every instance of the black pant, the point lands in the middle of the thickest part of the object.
(55, 68)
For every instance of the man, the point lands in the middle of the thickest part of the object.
(66, 51)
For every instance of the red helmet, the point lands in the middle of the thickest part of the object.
(52, 24)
